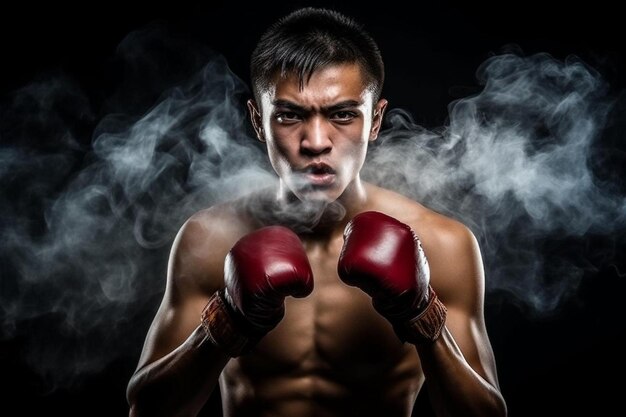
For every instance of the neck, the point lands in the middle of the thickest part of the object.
(319, 217)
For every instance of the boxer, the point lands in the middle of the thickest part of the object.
(326, 295)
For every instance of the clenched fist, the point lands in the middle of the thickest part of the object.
(260, 270)
(383, 257)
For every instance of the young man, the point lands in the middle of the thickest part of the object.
(317, 297)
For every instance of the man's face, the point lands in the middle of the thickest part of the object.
(317, 136)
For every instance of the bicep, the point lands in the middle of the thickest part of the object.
(194, 274)
(472, 339)
(171, 326)
(461, 286)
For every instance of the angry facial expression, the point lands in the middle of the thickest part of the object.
(317, 133)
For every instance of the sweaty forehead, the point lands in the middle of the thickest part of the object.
(326, 86)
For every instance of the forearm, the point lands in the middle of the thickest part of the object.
(454, 388)
(180, 383)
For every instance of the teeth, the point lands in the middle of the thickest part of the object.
(319, 170)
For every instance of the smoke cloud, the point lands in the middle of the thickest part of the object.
(87, 222)
(92, 198)
(524, 163)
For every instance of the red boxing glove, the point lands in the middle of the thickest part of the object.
(260, 270)
(383, 257)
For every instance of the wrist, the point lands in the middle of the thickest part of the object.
(426, 327)
(226, 328)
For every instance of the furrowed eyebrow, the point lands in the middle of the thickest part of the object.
(288, 105)
(342, 106)
(333, 108)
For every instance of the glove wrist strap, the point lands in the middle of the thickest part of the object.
(220, 325)
(427, 326)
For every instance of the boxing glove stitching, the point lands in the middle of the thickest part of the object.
(220, 327)
(427, 326)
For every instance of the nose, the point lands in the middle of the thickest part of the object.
(316, 139)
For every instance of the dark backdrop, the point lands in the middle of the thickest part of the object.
(568, 362)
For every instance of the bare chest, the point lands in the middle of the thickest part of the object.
(333, 333)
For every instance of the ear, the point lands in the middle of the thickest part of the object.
(255, 118)
(377, 119)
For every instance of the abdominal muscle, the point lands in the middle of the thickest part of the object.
(331, 355)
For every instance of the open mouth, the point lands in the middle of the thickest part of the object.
(319, 174)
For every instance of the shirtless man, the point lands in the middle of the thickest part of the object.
(317, 298)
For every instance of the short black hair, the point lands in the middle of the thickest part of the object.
(310, 38)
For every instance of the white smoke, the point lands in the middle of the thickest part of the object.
(516, 164)
(87, 223)
(91, 204)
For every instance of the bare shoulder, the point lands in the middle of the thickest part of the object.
(427, 223)
(450, 246)
(198, 251)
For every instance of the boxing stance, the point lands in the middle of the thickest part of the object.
(325, 295)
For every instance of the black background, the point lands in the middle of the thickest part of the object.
(567, 364)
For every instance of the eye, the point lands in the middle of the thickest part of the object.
(287, 117)
(343, 116)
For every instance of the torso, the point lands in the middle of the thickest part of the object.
(332, 354)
